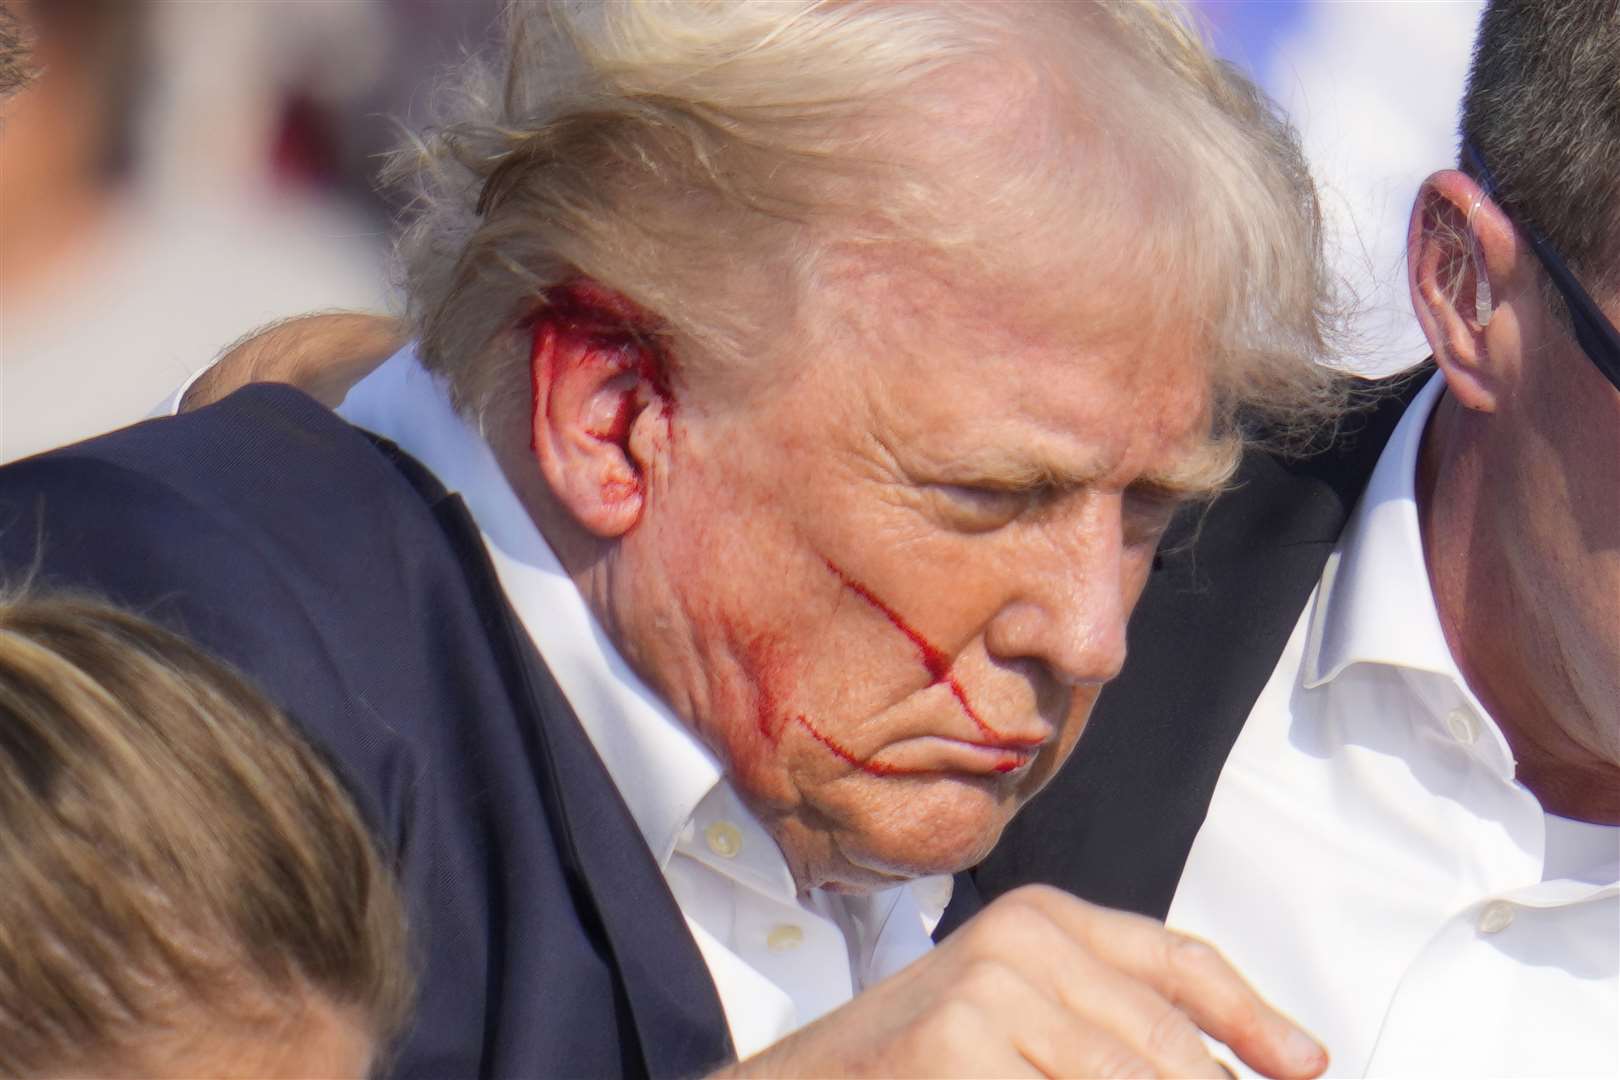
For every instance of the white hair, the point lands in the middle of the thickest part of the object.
(697, 156)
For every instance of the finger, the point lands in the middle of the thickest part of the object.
(1058, 1043)
(1138, 1015)
(323, 355)
(1192, 975)
(1049, 956)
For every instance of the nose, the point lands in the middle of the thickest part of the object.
(1071, 595)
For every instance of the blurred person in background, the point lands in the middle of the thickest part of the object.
(158, 195)
(1373, 748)
(188, 889)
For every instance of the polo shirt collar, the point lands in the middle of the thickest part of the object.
(662, 771)
(1375, 604)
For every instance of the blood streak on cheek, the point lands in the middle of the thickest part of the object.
(763, 657)
(875, 768)
(934, 660)
(878, 768)
(772, 680)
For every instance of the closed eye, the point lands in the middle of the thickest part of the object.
(975, 509)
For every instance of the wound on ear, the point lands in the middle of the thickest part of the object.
(617, 331)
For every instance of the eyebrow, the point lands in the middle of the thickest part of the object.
(1200, 474)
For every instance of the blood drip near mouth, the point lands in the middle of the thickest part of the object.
(934, 661)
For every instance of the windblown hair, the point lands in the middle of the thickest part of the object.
(176, 860)
(1543, 109)
(701, 158)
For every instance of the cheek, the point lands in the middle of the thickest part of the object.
(749, 672)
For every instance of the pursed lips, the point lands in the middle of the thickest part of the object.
(928, 754)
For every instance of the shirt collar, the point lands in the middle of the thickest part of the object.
(661, 769)
(1375, 604)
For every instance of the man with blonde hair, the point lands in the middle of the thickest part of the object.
(814, 381)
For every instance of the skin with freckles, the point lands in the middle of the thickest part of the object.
(886, 587)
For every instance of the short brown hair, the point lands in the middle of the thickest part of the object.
(1543, 109)
(16, 66)
(174, 855)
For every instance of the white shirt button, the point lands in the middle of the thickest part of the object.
(1496, 917)
(1460, 722)
(784, 937)
(724, 839)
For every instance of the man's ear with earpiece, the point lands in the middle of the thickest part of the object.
(1462, 256)
(1483, 308)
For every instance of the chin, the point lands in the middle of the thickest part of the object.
(928, 826)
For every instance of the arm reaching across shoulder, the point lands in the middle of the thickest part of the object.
(1043, 984)
(323, 355)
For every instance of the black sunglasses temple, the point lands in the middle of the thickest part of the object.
(1593, 330)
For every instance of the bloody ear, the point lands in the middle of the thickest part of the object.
(596, 376)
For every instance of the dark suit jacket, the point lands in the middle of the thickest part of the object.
(1117, 822)
(338, 574)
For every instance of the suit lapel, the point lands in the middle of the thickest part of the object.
(677, 1012)
(663, 981)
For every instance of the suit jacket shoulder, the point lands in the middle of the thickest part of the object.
(357, 594)
(1117, 822)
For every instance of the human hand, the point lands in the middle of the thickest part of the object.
(1043, 984)
(323, 355)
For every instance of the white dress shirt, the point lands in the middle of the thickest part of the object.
(1369, 859)
(779, 960)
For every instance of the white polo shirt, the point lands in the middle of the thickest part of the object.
(779, 959)
(1369, 860)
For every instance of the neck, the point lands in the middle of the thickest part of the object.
(1493, 623)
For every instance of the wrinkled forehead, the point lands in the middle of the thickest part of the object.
(1069, 377)
(1054, 159)
(1021, 195)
